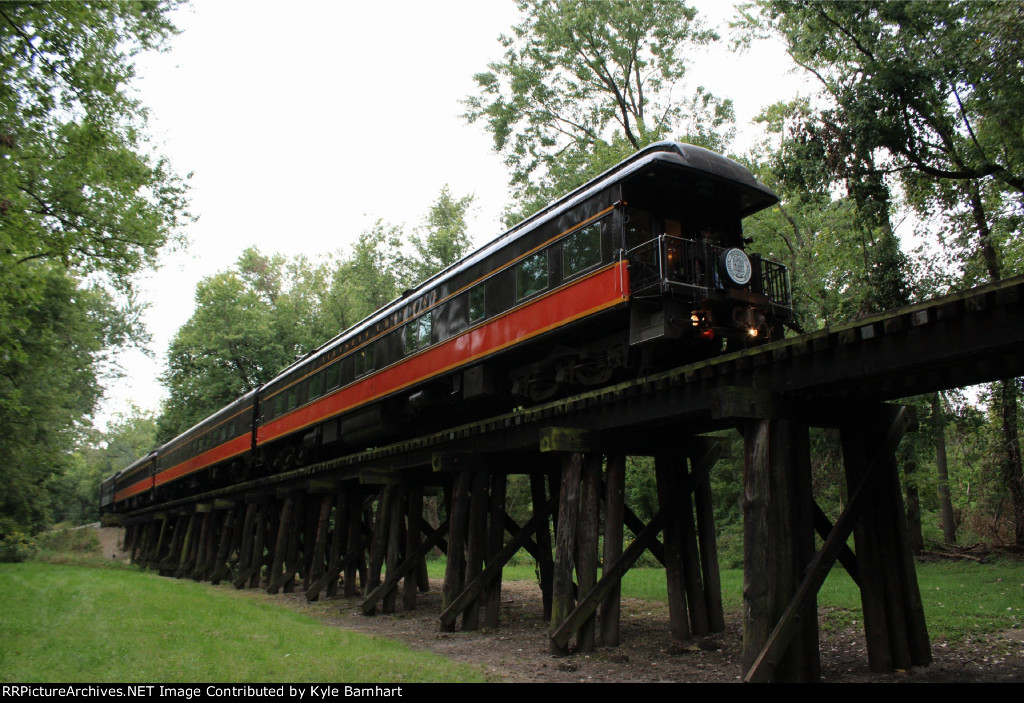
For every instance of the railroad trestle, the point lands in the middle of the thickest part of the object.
(362, 522)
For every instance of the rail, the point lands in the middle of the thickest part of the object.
(666, 263)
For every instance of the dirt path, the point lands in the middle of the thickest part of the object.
(517, 652)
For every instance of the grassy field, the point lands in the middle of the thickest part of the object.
(76, 623)
(961, 598)
(73, 623)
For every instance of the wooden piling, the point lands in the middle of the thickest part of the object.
(587, 534)
(476, 541)
(703, 456)
(459, 512)
(413, 540)
(565, 542)
(495, 542)
(614, 504)
(665, 469)
(394, 545)
(545, 564)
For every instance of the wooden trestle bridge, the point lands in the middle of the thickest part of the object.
(355, 517)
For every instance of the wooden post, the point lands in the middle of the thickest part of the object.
(545, 565)
(587, 540)
(704, 456)
(203, 546)
(186, 546)
(338, 540)
(614, 504)
(379, 540)
(158, 549)
(262, 532)
(495, 542)
(894, 623)
(668, 489)
(476, 543)
(317, 564)
(453, 574)
(394, 552)
(280, 546)
(413, 539)
(565, 543)
(692, 572)
(220, 560)
(245, 547)
(355, 563)
(834, 546)
(778, 544)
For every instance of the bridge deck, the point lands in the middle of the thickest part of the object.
(772, 393)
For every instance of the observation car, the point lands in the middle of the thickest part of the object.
(641, 268)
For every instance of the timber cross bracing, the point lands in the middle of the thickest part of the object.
(355, 518)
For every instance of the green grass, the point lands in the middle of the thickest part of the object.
(69, 623)
(72, 623)
(961, 598)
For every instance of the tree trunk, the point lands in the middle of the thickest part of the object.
(942, 466)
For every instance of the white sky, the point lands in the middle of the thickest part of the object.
(304, 122)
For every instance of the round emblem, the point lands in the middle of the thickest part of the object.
(737, 266)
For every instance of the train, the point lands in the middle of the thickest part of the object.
(642, 268)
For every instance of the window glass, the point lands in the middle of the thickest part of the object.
(333, 376)
(532, 275)
(477, 301)
(417, 333)
(581, 250)
(364, 360)
(639, 228)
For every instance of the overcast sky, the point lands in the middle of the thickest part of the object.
(302, 123)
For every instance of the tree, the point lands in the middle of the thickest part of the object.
(79, 187)
(583, 84)
(101, 453)
(443, 239)
(84, 205)
(929, 91)
(250, 322)
(814, 229)
(375, 273)
(49, 382)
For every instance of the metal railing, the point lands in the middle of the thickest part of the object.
(668, 262)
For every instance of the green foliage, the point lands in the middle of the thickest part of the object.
(74, 493)
(922, 90)
(840, 263)
(444, 239)
(583, 84)
(59, 334)
(15, 545)
(84, 205)
(257, 317)
(249, 323)
(78, 187)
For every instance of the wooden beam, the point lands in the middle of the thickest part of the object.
(565, 543)
(456, 543)
(786, 627)
(452, 611)
(614, 514)
(406, 568)
(569, 439)
(611, 577)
